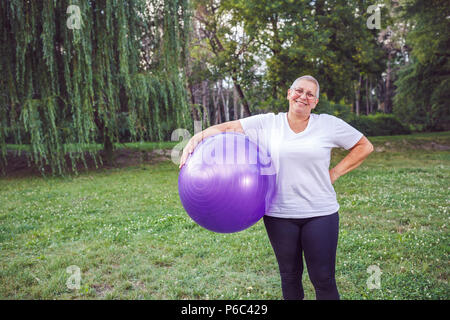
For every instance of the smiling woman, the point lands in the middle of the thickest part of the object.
(303, 97)
(303, 217)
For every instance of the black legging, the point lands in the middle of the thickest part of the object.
(317, 237)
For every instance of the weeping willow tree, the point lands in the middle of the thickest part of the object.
(75, 73)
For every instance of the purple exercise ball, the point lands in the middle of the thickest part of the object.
(227, 183)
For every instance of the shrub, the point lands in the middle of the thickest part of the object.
(379, 124)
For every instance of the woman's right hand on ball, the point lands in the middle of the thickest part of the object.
(188, 149)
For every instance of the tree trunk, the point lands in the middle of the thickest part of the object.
(387, 94)
(357, 95)
(108, 148)
(367, 95)
(194, 111)
(239, 91)
(205, 104)
(370, 97)
(216, 102)
(225, 102)
(235, 104)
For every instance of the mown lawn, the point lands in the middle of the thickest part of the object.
(126, 231)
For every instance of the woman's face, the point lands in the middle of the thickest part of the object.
(302, 97)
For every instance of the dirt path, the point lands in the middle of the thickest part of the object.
(19, 165)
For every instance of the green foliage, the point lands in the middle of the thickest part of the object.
(423, 85)
(423, 93)
(327, 39)
(379, 124)
(75, 87)
(428, 37)
(339, 110)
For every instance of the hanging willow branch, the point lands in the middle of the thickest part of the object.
(65, 89)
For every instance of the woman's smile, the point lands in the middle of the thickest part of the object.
(301, 103)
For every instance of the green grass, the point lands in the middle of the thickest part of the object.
(128, 233)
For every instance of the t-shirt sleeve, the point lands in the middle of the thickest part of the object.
(344, 135)
(254, 126)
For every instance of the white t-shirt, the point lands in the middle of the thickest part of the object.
(301, 161)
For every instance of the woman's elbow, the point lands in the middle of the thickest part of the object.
(364, 146)
(370, 147)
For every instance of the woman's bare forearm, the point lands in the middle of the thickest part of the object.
(233, 126)
(213, 130)
(353, 159)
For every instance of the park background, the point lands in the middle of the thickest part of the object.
(92, 91)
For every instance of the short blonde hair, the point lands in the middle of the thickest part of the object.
(309, 78)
